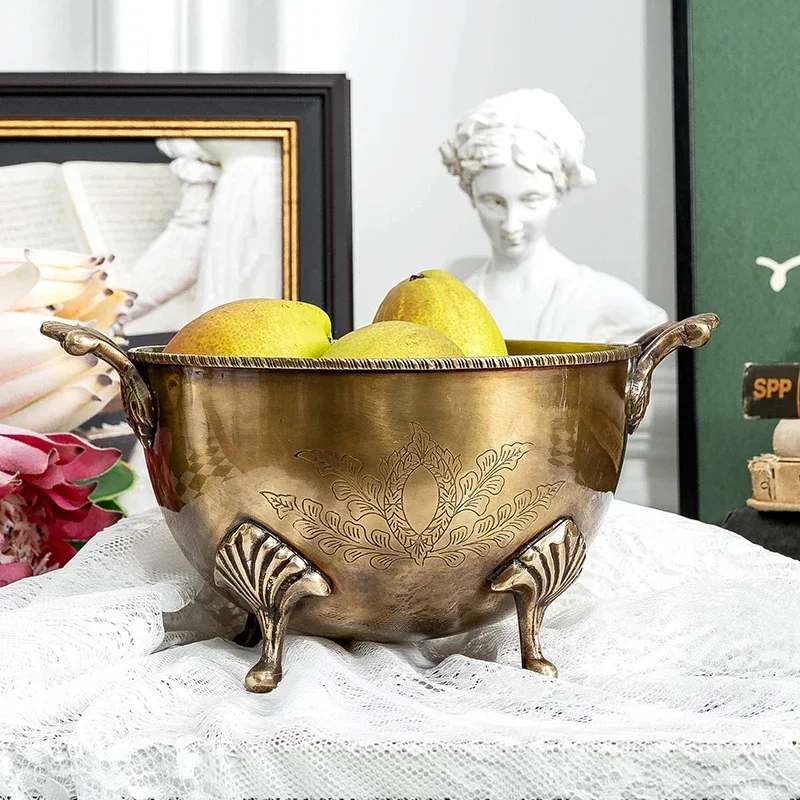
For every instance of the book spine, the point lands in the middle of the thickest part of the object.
(771, 391)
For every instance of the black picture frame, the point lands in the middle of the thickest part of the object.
(688, 470)
(318, 104)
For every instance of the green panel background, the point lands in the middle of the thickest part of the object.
(746, 156)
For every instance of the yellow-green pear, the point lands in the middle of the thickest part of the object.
(394, 339)
(259, 327)
(441, 301)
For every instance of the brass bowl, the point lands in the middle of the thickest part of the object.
(389, 500)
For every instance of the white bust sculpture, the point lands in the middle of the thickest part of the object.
(517, 156)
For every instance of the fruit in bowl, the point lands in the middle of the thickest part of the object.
(394, 339)
(257, 327)
(441, 301)
(430, 314)
(377, 490)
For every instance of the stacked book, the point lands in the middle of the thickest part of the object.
(772, 391)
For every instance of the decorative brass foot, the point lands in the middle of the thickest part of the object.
(550, 564)
(266, 576)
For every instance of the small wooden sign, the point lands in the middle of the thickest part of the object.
(771, 391)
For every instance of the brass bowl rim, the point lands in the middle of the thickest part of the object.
(153, 355)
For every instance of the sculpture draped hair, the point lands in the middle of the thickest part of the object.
(528, 127)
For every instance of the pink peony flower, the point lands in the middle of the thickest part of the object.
(41, 506)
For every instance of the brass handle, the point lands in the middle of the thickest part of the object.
(136, 398)
(656, 345)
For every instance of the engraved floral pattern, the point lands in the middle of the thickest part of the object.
(378, 529)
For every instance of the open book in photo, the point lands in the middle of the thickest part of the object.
(121, 207)
(93, 206)
(36, 209)
(97, 207)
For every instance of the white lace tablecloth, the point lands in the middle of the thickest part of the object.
(679, 653)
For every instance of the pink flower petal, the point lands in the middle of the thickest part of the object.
(90, 462)
(9, 483)
(20, 456)
(68, 497)
(14, 572)
(58, 552)
(51, 477)
(40, 470)
(62, 452)
(83, 529)
(59, 458)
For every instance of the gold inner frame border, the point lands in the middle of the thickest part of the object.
(284, 130)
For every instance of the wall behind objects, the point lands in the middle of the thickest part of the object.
(415, 68)
(47, 35)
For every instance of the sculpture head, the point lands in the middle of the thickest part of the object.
(517, 156)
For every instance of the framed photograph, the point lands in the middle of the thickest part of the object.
(244, 178)
(737, 177)
(183, 192)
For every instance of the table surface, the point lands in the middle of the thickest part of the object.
(774, 530)
(678, 650)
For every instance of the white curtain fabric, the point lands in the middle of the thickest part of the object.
(679, 653)
(177, 35)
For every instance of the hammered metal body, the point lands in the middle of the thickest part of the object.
(406, 489)
(545, 569)
(268, 578)
(406, 484)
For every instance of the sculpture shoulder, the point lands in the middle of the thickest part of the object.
(611, 288)
(619, 312)
(476, 278)
(560, 299)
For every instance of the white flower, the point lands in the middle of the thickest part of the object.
(41, 387)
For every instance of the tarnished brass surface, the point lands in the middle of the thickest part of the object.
(656, 345)
(268, 578)
(136, 398)
(404, 482)
(547, 567)
(404, 489)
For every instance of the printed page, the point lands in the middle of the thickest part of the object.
(122, 207)
(36, 210)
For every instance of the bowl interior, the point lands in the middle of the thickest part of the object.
(521, 354)
(520, 347)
